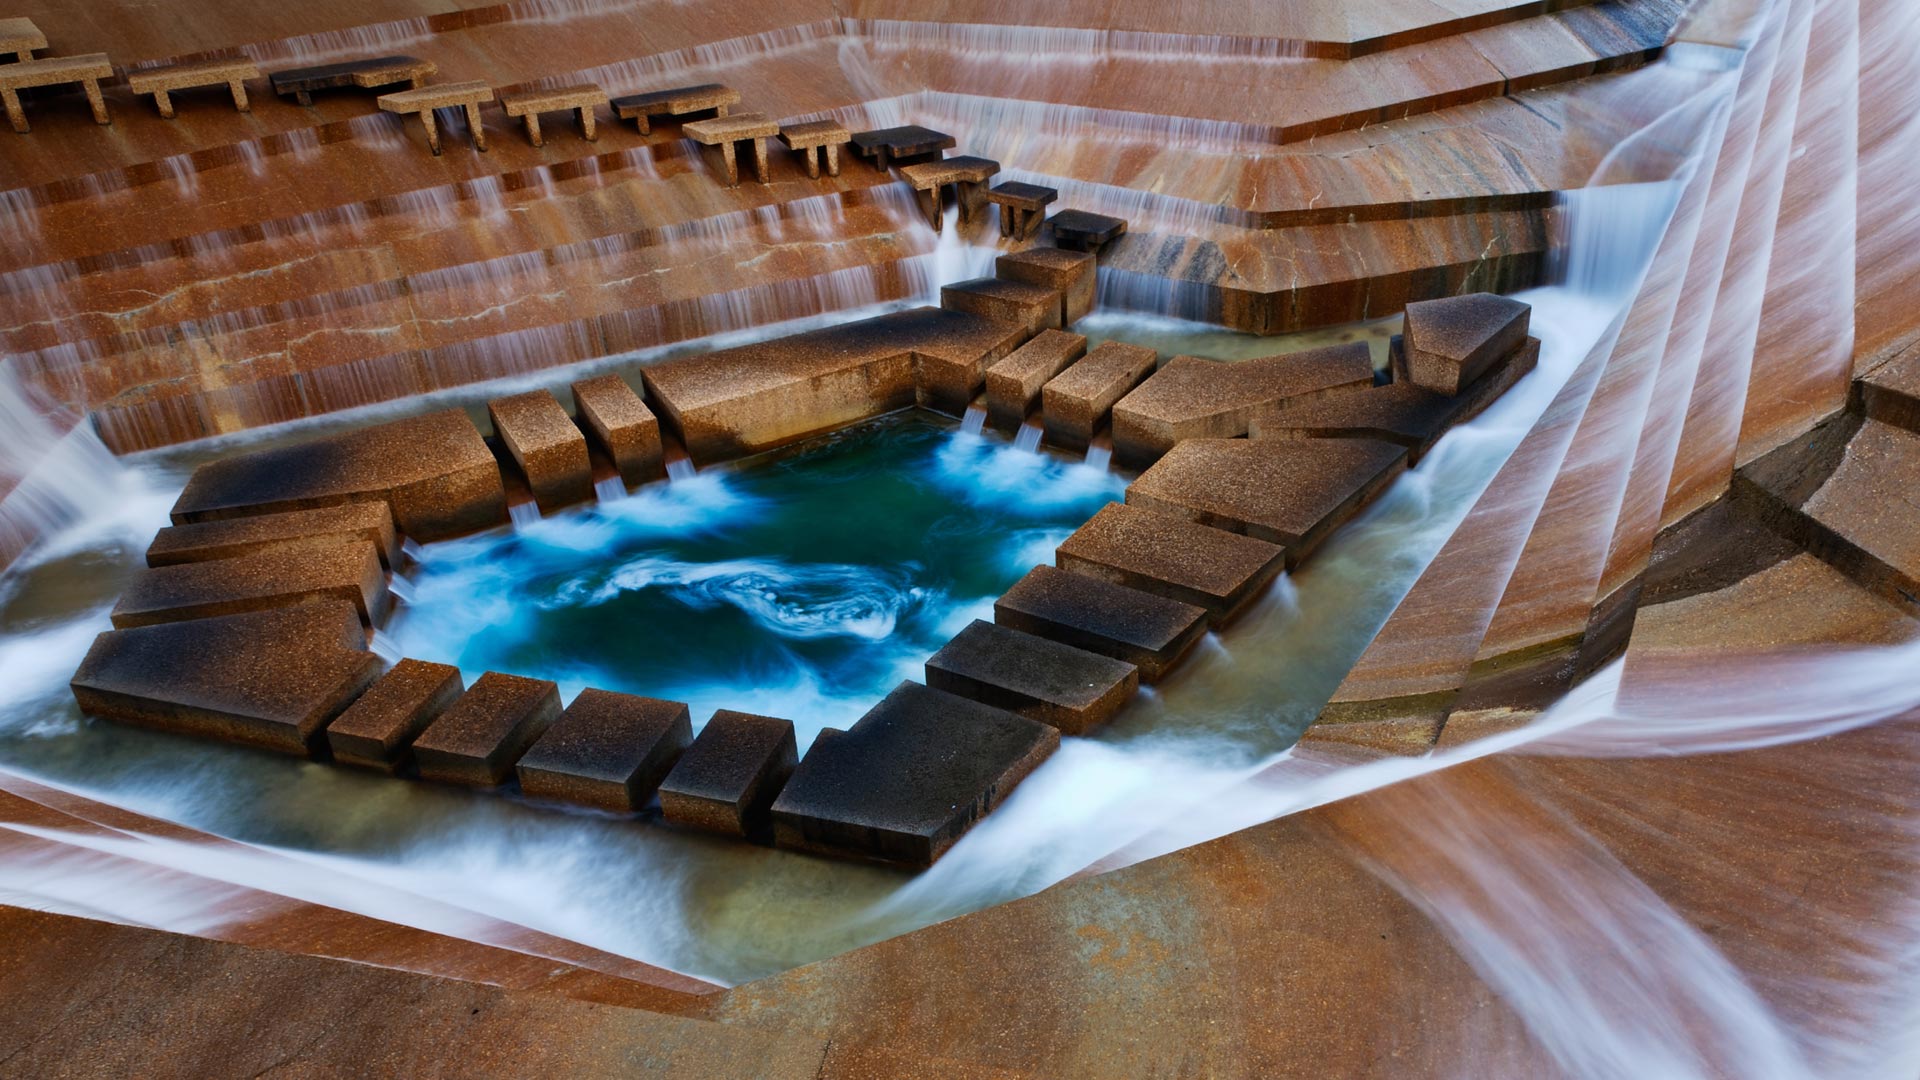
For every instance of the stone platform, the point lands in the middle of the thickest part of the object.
(1192, 398)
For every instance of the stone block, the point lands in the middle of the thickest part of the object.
(365, 74)
(1148, 631)
(163, 82)
(1192, 398)
(1453, 341)
(1014, 381)
(276, 577)
(622, 427)
(1075, 403)
(1173, 557)
(268, 679)
(423, 100)
(909, 779)
(1041, 679)
(1034, 307)
(377, 731)
(434, 472)
(29, 74)
(1069, 273)
(1290, 492)
(482, 736)
(548, 447)
(679, 101)
(906, 144)
(728, 778)
(1399, 412)
(366, 521)
(1083, 230)
(608, 751)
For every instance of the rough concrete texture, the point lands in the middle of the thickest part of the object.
(1289, 492)
(1453, 341)
(1083, 230)
(622, 426)
(1890, 393)
(227, 539)
(377, 731)
(269, 679)
(434, 472)
(1192, 398)
(1033, 307)
(293, 573)
(1148, 631)
(1041, 679)
(727, 780)
(550, 450)
(479, 739)
(608, 751)
(1399, 412)
(1070, 273)
(909, 779)
(1075, 403)
(1174, 557)
(1014, 382)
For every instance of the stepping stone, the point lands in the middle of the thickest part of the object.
(1014, 381)
(29, 74)
(377, 731)
(1291, 492)
(1192, 398)
(1022, 207)
(434, 472)
(622, 427)
(1399, 412)
(162, 82)
(680, 101)
(907, 781)
(968, 175)
(1075, 403)
(1082, 230)
(813, 138)
(1148, 631)
(908, 144)
(1452, 342)
(728, 778)
(367, 521)
(423, 100)
(1069, 273)
(1032, 307)
(1060, 686)
(366, 74)
(479, 739)
(267, 679)
(1890, 393)
(548, 447)
(19, 36)
(1173, 557)
(529, 104)
(294, 573)
(608, 751)
(725, 131)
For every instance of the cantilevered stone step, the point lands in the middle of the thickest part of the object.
(346, 569)
(480, 738)
(909, 779)
(1075, 403)
(1287, 492)
(727, 780)
(1399, 412)
(622, 426)
(1169, 555)
(1014, 381)
(1069, 273)
(608, 751)
(368, 521)
(1148, 631)
(1453, 341)
(1041, 679)
(269, 679)
(550, 450)
(1192, 398)
(1890, 393)
(1083, 230)
(1035, 307)
(434, 472)
(377, 731)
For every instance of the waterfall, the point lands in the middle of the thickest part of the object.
(53, 469)
(610, 489)
(523, 514)
(975, 420)
(680, 468)
(1028, 437)
(401, 588)
(385, 647)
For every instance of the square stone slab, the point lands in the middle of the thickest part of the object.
(907, 781)
(1192, 398)
(1148, 631)
(1451, 342)
(478, 740)
(608, 751)
(1076, 402)
(727, 779)
(622, 427)
(267, 679)
(1069, 273)
(368, 521)
(1014, 382)
(1291, 492)
(1058, 685)
(1033, 307)
(1173, 557)
(377, 731)
(547, 445)
(1083, 230)
(293, 573)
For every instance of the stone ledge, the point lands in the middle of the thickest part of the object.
(1192, 398)
(280, 576)
(1056, 684)
(1173, 557)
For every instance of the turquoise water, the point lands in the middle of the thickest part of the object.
(803, 585)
